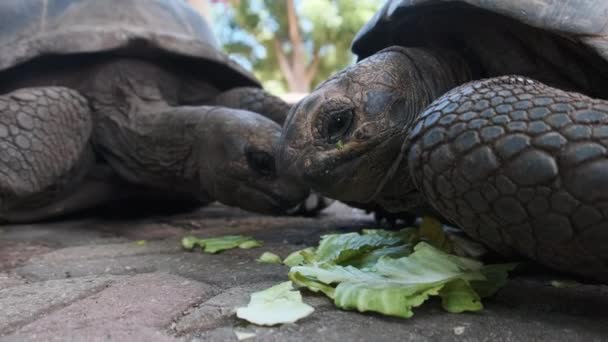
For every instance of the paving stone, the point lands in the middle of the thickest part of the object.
(221, 309)
(133, 309)
(22, 304)
(225, 269)
(9, 280)
(14, 253)
(217, 310)
(429, 324)
(110, 250)
(57, 234)
(219, 334)
(93, 334)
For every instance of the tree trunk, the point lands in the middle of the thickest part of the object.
(298, 73)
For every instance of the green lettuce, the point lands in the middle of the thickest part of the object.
(276, 305)
(218, 244)
(394, 286)
(269, 258)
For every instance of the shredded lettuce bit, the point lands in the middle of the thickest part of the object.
(393, 272)
(269, 258)
(243, 335)
(218, 244)
(564, 284)
(276, 305)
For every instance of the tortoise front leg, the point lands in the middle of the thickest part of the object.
(521, 166)
(44, 150)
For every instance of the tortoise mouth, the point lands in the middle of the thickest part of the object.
(268, 202)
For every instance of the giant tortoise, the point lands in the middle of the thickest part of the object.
(127, 99)
(490, 114)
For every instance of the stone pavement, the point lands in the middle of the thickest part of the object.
(88, 280)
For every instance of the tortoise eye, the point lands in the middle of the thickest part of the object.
(262, 162)
(337, 124)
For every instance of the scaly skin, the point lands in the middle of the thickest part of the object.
(520, 166)
(44, 144)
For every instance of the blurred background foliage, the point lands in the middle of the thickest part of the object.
(290, 45)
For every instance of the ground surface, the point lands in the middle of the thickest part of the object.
(88, 280)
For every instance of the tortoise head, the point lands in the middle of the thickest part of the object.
(344, 139)
(237, 165)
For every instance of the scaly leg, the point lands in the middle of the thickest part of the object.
(44, 151)
(521, 166)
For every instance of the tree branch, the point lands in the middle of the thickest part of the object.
(283, 62)
(292, 21)
(313, 67)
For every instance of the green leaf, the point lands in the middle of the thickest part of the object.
(339, 145)
(458, 296)
(431, 231)
(269, 258)
(341, 248)
(299, 257)
(370, 259)
(189, 242)
(395, 286)
(388, 300)
(312, 285)
(250, 244)
(276, 305)
(218, 244)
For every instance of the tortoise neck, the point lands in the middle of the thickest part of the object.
(438, 70)
(430, 74)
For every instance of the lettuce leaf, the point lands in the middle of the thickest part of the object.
(269, 258)
(276, 305)
(218, 244)
(394, 286)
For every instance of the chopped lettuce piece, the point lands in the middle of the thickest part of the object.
(189, 242)
(218, 244)
(276, 305)
(431, 231)
(270, 258)
(299, 257)
(458, 296)
(563, 284)
(370, 259)
(250, 244)
(312, 285)
(342, 248)
(141, 242)
(452, 241)
(243, 335)
(393, 286)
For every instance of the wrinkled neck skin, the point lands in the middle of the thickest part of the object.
(437, 71)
